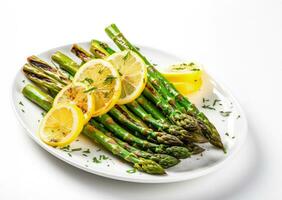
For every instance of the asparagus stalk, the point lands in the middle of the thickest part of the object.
(81, 53)
(150, 108)
(133, 117)
(97, 46)
(44, 101)
(65, 62)
(167, 89)
(187, 122)
(36, 76)
(164, 160)
(158, 137)
(52, 71)
(109, 123)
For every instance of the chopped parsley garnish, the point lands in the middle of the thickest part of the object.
(208, 107)
(126, 56)
(95, 160)
(90, 89)
(85, 155)
(22, 110)
(43, 114)
(227, 134)
(238, 116)
(103, 157)
(205, 100)
(86, 151)
(109, 79)
(131, 171)
(69, 155)
(225, 114)
(76, 149)
(101, 71)
(88, 80)
(66, 148)
(179, 68)
(23, 81)
(21, 103)
(233, 137)
(215, 101)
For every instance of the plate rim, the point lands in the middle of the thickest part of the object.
(196, 174)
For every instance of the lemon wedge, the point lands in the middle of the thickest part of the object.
(102, 81)
(75, 93)
(133, 74)
(186, 88)
(184, 72)
(61, 125)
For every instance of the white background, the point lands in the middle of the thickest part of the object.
(240, 42)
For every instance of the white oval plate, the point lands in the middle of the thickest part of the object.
(233, 129)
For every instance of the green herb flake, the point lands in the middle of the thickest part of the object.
(238, 116)
(126, 56)
(131, 171)
(205, 100)
(227, 134)
(109, 79)
(88, 80)
(225, 113)
(86, 151)
(66, 148)
(90, 89)
(85, 155)
(95, 160)
(23, 81)
(69, 155)
(179, 68)
(101, 70)
(21, 103)
(103, 157)
(76, 149)
(233, 137)
(215, 101)
(98, 150)
(23, 110)
(43, 114)
(208, 107)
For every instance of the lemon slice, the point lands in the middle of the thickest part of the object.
(75, 93)
(184, 72)
(61, 125)
(102, 81)
(186, 88)
(133, 74)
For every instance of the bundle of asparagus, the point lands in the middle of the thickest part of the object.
(152, 132)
